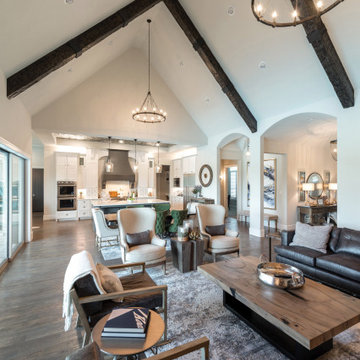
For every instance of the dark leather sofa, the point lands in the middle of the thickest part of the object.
(339, 267)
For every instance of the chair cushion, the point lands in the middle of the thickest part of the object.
(139, 280)
(223, 242)
(145, 253)
(109, 280)
(138, 238)
(215, 230)
(85, 286)
(349, 242)
(313, 237)
(300, 254)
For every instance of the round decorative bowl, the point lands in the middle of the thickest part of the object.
(280, 275)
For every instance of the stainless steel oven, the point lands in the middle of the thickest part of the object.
(66, 203)
(66, 189)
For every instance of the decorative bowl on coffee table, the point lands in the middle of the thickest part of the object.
(280, 275)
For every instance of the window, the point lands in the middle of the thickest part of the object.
(233, 181)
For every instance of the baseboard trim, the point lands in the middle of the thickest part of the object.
(257, 232)
(49, 217)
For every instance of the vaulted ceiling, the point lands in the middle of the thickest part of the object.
(292, 77)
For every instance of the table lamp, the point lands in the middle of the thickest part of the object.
(307, 187)
(333, 187)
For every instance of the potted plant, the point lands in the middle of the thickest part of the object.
(197, 190)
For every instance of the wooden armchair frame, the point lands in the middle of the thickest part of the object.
(78, 301)
(198, 344)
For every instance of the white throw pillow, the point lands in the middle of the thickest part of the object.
(312, 237)
(109, 281)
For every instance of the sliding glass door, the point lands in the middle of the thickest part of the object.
(4, 205)
(17, 208)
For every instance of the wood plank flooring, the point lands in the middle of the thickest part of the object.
(31, 293)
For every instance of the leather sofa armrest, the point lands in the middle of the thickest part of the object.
(287, 237)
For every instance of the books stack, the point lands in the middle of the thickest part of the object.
(127, 323)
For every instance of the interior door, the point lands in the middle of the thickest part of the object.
(37, 190)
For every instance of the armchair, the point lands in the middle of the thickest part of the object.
(139, 291)
(103, 232)
(213, 215)
(133, 221)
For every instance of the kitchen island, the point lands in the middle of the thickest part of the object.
(112, 206)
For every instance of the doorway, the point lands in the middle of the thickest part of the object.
(232, 180)
(38, 190)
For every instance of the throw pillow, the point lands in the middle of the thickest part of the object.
(312, 237)
(109, 280)
(215, 230)
(138, 238)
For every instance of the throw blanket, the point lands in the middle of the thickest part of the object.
(80, 265)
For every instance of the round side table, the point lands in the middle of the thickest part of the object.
(129, 346)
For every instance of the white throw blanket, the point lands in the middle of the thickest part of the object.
(80, 265)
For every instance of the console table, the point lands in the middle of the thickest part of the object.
(314, 215)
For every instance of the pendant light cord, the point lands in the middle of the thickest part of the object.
(149, 22)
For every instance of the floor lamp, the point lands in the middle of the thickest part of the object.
(307, 187)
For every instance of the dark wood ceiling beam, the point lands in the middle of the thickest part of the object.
(210, 61)
(321, 42)
(30, 75)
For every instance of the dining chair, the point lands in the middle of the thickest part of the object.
(105, 236)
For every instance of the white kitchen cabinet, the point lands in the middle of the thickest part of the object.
(84, 209)
(66, 167)
(177, 168)
(66, 215)
(188, 165)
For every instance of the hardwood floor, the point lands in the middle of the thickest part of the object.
(31, 293)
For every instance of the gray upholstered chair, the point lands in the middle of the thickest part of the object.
(214, 215)
(133, 221)
(105, 236)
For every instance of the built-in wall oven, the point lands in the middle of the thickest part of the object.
(66, 196)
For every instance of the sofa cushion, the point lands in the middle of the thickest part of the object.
(215, 230)
(138, 238)
(145, 253)
(341, 264)
(349, 242)
(109, 280)
(299, 253)
(223, 242)
(313, 237)
(334, 238)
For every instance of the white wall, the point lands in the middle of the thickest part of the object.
(37, 159)
(102, 105)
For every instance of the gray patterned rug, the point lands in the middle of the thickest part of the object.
(195, 309)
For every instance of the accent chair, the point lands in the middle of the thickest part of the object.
(212, 217)
(105, 236)
(133, 222)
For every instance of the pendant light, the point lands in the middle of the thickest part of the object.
(109, 166)
(149, 112)
(158, 166)
(136, 165)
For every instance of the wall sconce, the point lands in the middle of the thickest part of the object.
(307, 187)
(221, 177)
(333, 187)
(333, 149)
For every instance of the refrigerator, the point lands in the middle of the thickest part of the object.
(188, 186)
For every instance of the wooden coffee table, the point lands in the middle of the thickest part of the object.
(301, 323)
(129, 346)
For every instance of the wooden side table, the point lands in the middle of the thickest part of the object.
(129, 346)
(187, 255)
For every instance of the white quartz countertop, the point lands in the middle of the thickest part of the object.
(117, 203)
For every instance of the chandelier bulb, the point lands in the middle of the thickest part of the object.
(274, 15)
(259, 9)
(294, 14)
(319, 4)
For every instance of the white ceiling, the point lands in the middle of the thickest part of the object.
(292, 78)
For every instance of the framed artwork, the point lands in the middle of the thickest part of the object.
(301, 180)
(270, 184)
(205, 175)
(326, 183)
(248, 184)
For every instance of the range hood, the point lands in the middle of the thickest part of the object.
(122, 169)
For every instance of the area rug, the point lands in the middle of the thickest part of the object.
(195, 309)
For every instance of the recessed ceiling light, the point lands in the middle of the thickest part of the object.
(262, 65)
(68, 1)
(207, 100)
(231, 10)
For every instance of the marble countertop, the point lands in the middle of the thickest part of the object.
(117, 203)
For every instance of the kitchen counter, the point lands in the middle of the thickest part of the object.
(113, 205)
